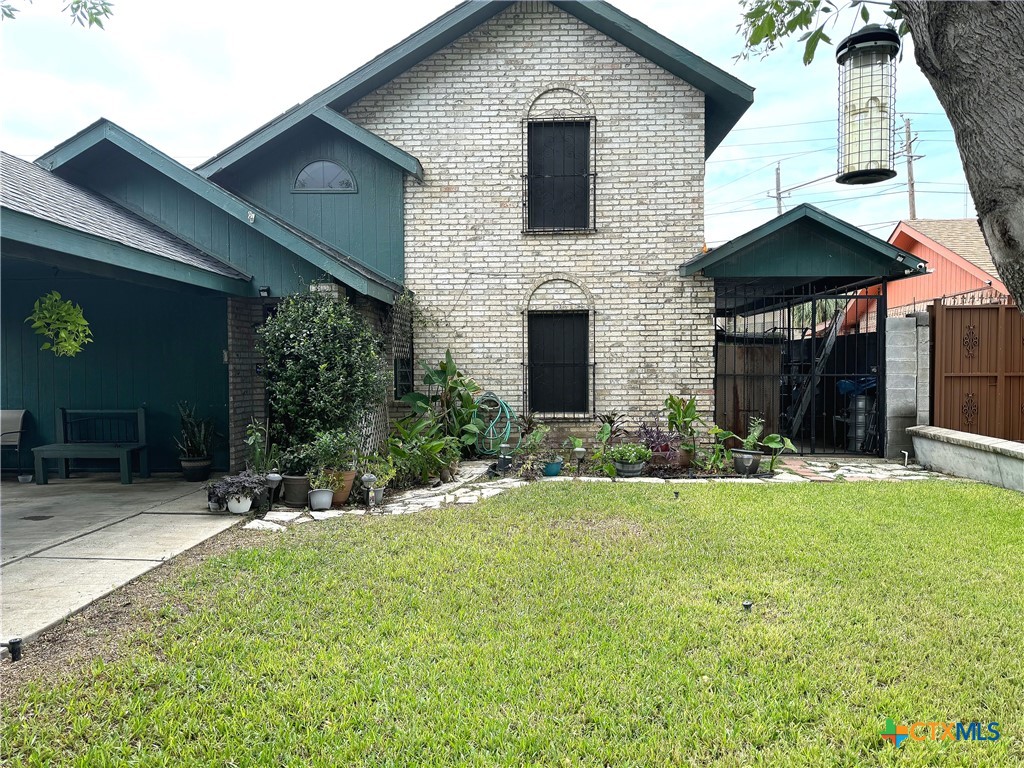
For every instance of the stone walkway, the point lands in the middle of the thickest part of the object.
(472, 485)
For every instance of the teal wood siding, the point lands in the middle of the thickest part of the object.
(159, 199)
(151, 348)
(367, 224)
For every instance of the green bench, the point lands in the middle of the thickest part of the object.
(96, 434)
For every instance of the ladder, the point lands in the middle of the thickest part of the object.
(803, 399)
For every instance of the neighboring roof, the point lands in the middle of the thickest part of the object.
(28, 189)
(801, 251)
(331, 260)
(962, 236)
(726, 97)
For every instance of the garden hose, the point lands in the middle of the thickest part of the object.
(499, 424)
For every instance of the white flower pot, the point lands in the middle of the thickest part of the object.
(239, 505)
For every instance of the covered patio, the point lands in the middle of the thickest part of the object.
(785, 350)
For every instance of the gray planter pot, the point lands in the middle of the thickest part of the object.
(629, 470)
(746, 462)
(320, 499)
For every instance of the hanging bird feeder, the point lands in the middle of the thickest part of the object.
(867, 100)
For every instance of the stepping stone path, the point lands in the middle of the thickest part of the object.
(472, 485)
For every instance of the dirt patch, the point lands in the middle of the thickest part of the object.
(100, 630)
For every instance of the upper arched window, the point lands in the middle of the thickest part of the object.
(325, 176)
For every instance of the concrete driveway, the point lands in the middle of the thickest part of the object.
(68, 543)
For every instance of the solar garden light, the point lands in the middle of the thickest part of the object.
(14, 646)
(273, 480)
(368, 481)
(504, 458)
(867, 100)
(578, 454)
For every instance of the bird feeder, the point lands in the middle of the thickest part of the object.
(867, 100)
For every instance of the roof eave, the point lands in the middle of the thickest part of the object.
(31, 230)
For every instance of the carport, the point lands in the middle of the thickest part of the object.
(68, 543)
(800, 329)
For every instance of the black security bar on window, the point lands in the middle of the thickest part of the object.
(559, 180)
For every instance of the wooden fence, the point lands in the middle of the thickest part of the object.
(978, 369)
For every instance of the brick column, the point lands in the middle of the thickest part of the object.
(247, 397)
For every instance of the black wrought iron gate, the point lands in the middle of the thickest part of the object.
(812, 367)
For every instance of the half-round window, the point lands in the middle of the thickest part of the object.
(325, 176)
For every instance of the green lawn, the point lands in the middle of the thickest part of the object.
(578, 624)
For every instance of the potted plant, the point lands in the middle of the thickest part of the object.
(629, 458)
(747, 459)
(682, 416)
(238, 490)
(321, 494)
(553, 462)
(296, 463)
(335, 452)
(659, 441)
(195, 447)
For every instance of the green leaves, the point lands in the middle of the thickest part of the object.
(767, 23)
(62, 322)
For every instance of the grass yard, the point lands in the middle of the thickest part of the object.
(576, 624)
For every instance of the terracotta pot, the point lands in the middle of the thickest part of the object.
(343, 491)
(662, 458)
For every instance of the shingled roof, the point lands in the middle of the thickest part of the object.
(29, 189)
(962, 236)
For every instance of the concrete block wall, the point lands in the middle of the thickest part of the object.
(907, 372)
(463, 113)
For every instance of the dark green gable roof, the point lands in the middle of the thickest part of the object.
(806, 242)
(726, 97)
(330, 260)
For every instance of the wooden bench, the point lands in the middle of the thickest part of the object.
(96, 434)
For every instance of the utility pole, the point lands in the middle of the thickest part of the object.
(910, 166)
(778, 189)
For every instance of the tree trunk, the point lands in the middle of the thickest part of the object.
(973, 55)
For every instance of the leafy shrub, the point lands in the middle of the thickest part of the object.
(629, 453)
(300, 459)
(450, 398)
(335, 449)
(419, 448)
(323, 364)
(247, 484)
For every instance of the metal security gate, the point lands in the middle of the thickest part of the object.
(558, 369)
(978, 360)
(811, 366)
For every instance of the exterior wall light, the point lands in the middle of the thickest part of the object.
(264, 291)
(867, 100)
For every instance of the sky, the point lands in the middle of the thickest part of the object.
(191, 77)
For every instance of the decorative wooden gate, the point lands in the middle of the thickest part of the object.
(978, 366)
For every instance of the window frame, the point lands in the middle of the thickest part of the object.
(325, 190)
(590, 175)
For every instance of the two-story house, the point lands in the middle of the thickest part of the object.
(533, 172)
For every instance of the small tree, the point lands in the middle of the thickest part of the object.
(323, 365)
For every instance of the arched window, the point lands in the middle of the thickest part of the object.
(559, 176)
(325, 176)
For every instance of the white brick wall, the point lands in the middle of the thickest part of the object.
(461, 113)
